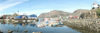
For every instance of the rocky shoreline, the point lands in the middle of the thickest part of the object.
(92, 25)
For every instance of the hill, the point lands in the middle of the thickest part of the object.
(54, 13)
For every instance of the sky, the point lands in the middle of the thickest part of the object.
(37, 7)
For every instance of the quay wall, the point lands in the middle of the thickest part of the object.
(18, 20)
(84, 24)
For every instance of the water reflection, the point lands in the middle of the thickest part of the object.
(29, 28)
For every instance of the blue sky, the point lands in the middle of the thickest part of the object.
(41, 6)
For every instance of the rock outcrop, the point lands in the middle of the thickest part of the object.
(91, 14)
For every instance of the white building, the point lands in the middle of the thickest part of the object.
(95, 5)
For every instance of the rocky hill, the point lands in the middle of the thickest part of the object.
(79, 12)
(54, 13)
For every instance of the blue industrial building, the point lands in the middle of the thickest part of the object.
(26, 16)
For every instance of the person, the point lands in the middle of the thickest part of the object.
(46, 20)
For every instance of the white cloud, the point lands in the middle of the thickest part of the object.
(10, 3)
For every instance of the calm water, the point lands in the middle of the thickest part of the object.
(19, 28)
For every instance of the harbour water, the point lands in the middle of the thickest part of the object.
(19, 28)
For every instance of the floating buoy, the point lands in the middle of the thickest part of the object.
(25, 31)
(37, 32)
(10, 31)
